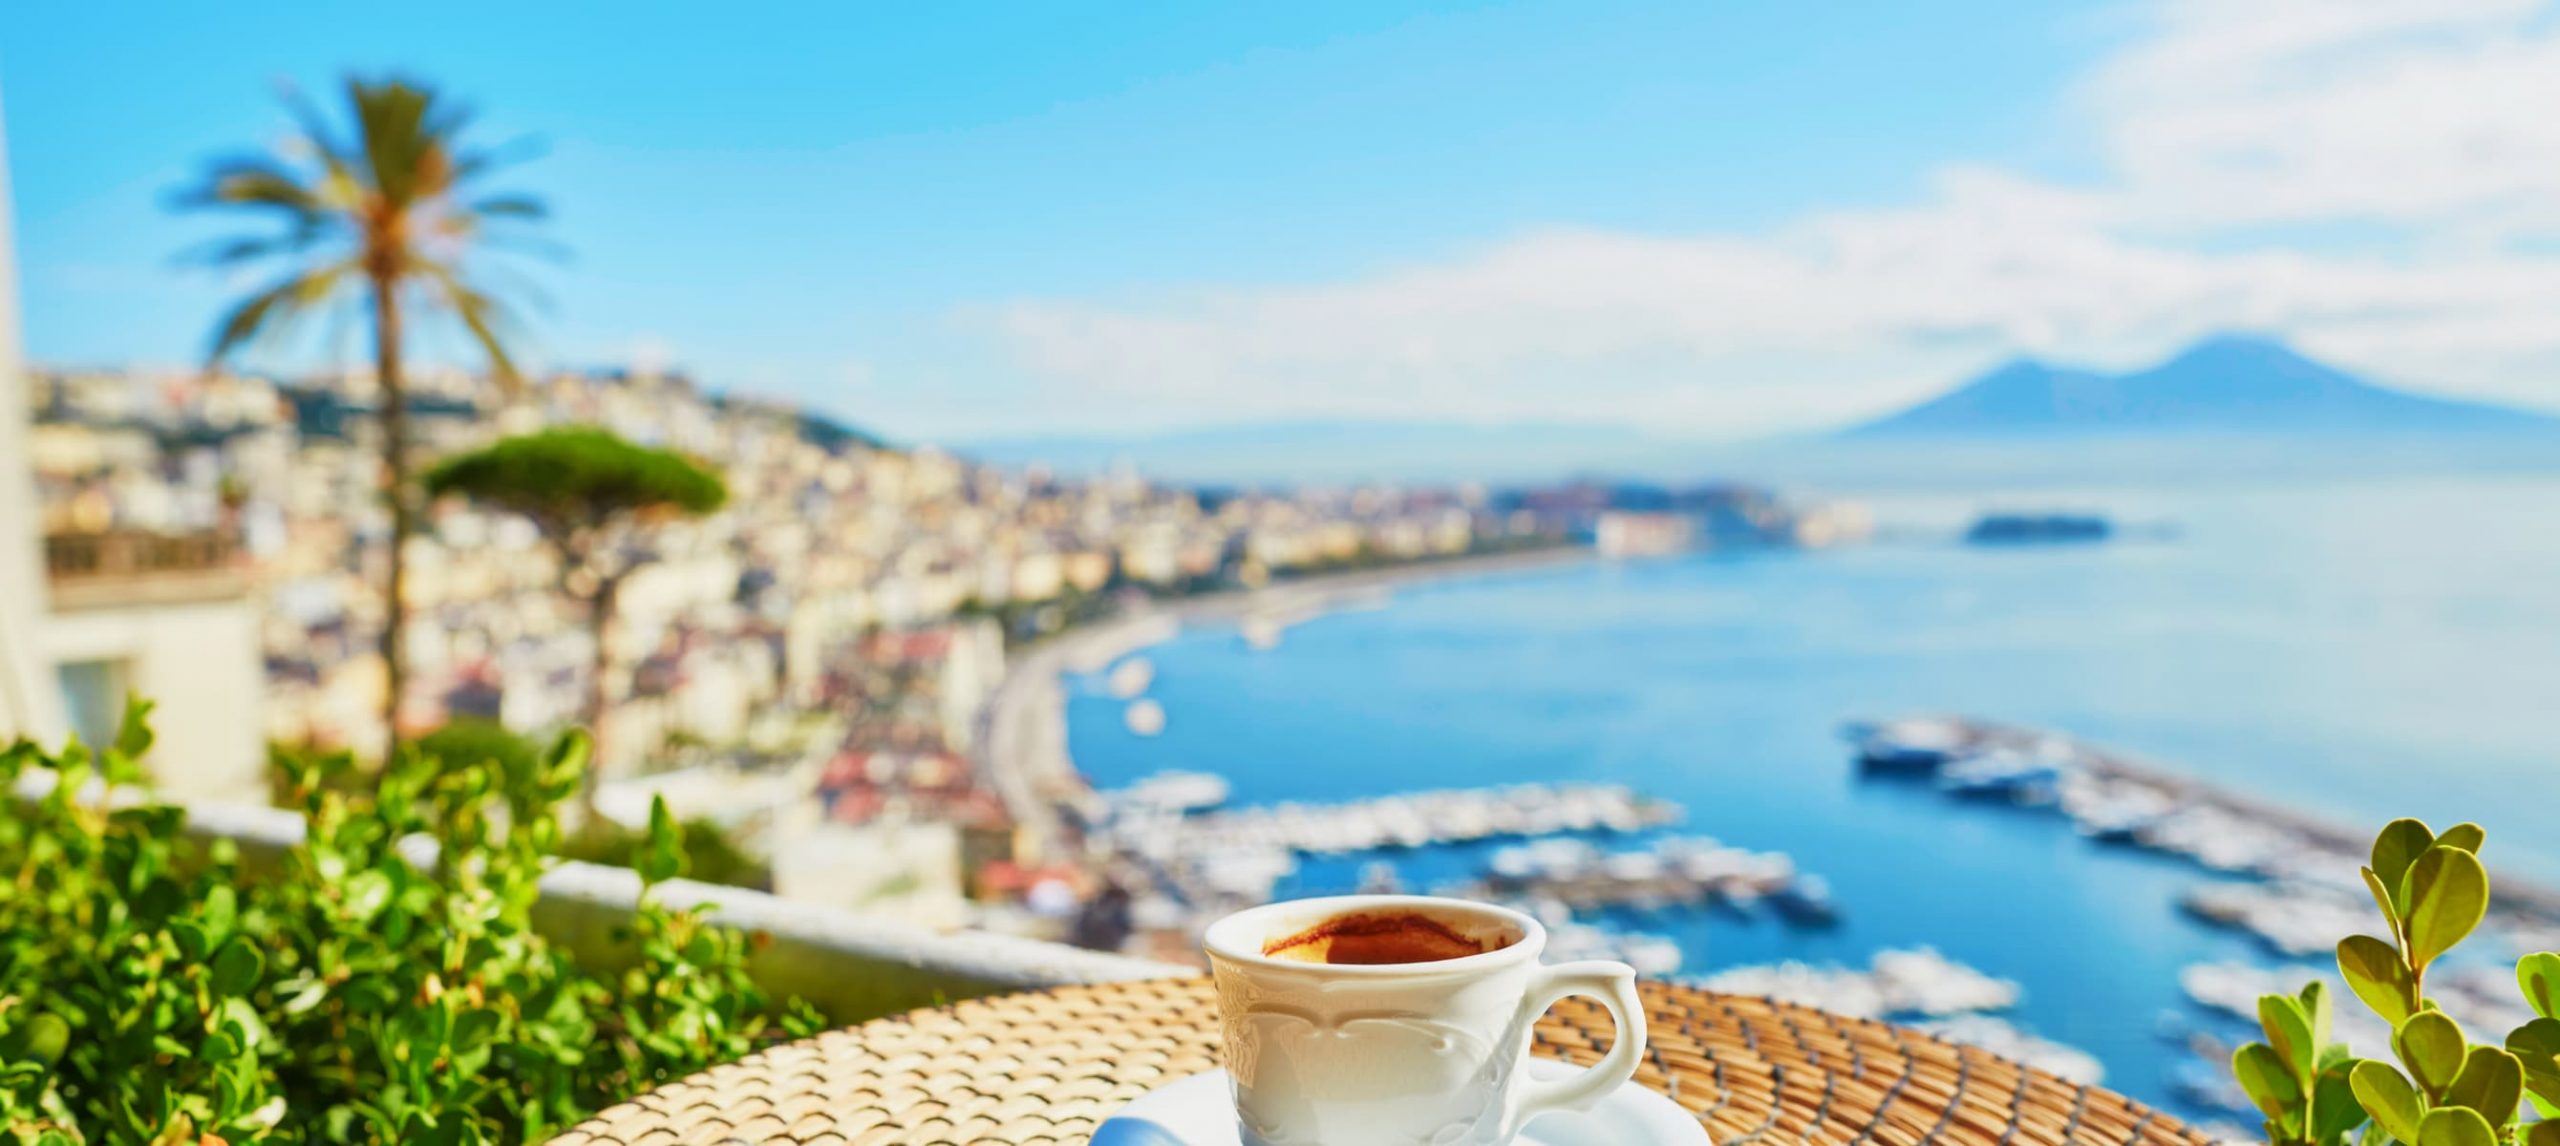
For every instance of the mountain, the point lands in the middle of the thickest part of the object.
(2229, 384)
(1343, 451)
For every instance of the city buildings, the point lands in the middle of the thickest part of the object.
(808, 667)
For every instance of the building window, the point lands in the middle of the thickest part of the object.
(93, 694)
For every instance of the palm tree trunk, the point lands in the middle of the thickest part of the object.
(395, 478)
(600, 614)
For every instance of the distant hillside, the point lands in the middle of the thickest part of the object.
(829, 433)
(2225, 384)
(1344, 451)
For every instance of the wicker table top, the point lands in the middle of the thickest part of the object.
(1047, 1067)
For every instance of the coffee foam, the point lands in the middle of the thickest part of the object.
(1366, 938)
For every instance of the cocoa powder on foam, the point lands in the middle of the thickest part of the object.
(1364, 938)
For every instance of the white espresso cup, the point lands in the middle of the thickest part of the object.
(1402, 1053)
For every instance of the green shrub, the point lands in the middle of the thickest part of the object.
(150, 992)
(469, 740)
(2447, 1091)
(710, 856)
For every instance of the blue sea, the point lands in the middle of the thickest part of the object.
(2361, 647)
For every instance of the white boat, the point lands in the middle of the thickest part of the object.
(1261, 633)
(2000, 772)
(1144, 718)
(1922, 981)
(1653, 956)
(2116, 814)
(1129, 679)
(1920, 744)
(1631, 867)
(1178, 791)
(1806, 901)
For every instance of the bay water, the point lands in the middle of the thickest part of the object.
(2357, 648)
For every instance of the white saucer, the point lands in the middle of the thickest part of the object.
(1199, 1111)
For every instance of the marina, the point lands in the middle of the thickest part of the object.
(1200, 860)
(2294, 920)
(1673, 871)
(1417, 819)
(1911, 983)
(2302, 890)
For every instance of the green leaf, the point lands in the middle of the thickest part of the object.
(2289, 1032)
(473, 1029)
(662, 852)
(2382, 899)
(2537, 1046)
(2430, 1045)
(2314, 998)
(40, 1039)
(367, 892)
(2373, 971)
(2538, 976)
(2491, 1082)
(2269, 1080)
(2388, 1096)
(219, 911)
(2455, 1126)
(190, 936)
(2334, 1109)
(236, 968)
(300, 994)
(223, 1045)
(2398, 846)
(2545, 1133)
(133, 733)
(2467, 836)
(2448, 896)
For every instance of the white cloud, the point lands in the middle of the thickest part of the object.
(2283, 111)
(2419, 133)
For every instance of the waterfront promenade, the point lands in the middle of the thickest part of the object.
(1022, 745)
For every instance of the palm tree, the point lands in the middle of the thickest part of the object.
(588, 492)
(381, 217)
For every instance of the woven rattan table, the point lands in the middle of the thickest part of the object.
(1048, 1066)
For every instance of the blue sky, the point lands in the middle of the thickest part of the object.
(983, 220)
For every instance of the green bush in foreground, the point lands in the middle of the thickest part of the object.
(153, 992)
(2447, 1091)
(710, 855)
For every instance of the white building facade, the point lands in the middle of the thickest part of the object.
(166, 619)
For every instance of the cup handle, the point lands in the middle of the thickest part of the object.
(1614, 985)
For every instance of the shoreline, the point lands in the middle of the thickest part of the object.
(1022, 733)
